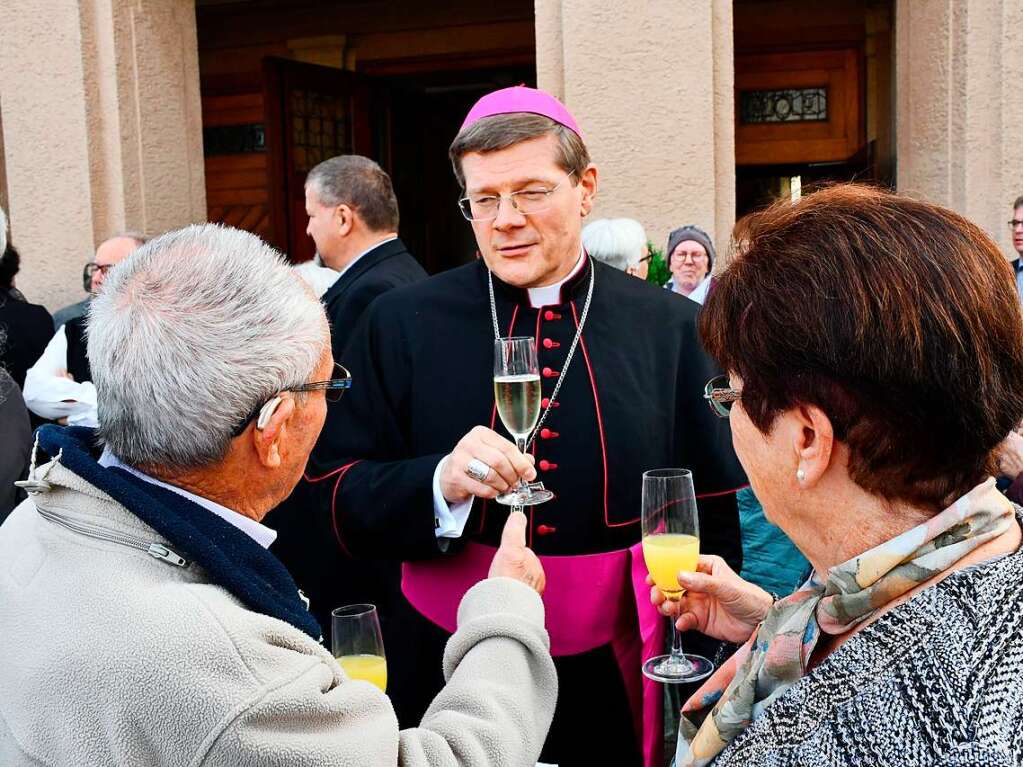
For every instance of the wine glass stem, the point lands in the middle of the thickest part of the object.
(677, 656)
(520, 443)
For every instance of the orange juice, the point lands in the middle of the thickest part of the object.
(371, 668)
(668, 553)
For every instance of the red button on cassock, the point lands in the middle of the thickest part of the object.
(545, 529)
(548, 373)
(546, 465)
(550, 344)
(546, 401)
(548, 434)
(551, 316)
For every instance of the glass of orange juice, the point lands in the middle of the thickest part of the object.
(358, 644)
(671, 544)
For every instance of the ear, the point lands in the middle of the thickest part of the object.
(588, 184)
(344, 218)
(268, 440)
(813, 443)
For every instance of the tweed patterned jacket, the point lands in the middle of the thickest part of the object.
(936, 681)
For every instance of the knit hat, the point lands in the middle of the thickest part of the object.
(696, 234)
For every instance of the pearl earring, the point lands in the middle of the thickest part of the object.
(800, 475)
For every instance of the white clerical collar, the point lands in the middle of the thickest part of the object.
(261, 534)
(550, 295)
(367, 250)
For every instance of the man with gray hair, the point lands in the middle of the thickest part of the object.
(353, 219)
(618, 242)
(144, 620)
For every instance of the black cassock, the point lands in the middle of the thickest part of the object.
(422, 365)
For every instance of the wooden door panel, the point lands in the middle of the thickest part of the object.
(837, 138)
(313, 113)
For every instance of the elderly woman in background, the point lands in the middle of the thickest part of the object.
(874, 360)
(144, 620)
(690, 256)
(618, 242)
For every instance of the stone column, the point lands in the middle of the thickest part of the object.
(102, 130)
(959, 118)
(651, 84)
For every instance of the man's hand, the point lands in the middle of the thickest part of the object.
(514, 559)
(506, 464)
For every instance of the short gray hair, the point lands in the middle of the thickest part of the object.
(192, 333)
(618, 242)
(360, 183)
(497, 132)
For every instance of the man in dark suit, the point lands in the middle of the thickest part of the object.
(353, 219)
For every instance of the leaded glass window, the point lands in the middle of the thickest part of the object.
(788, 105)
(319, 128)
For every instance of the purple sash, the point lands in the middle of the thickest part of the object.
(591, 600)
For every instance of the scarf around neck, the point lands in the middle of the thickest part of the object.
(229, 557)
(776, 656)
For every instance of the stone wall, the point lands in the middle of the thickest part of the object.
(102, 130)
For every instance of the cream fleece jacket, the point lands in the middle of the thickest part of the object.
(112, 657)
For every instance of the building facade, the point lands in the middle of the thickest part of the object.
(151, 114)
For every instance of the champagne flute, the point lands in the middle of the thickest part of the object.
(517, 394)
(671, 543)
(358, 644)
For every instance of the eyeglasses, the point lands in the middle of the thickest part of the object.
(720, 396)
(647, 257)
(1014, 223)
(525, 201)
(694, 257)
(332, 389)
(92, 267)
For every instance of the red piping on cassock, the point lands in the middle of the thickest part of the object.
(340, 472)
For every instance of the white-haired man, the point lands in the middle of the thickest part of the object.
(58, 386)
(145, 622)
(618, 242)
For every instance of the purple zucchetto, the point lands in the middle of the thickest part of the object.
(521, 99)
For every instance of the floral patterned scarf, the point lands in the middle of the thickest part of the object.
(776, 656)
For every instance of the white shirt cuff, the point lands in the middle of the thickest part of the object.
(449, 519)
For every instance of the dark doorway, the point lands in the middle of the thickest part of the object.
(404, 121)
(426, 112)
(757, 186)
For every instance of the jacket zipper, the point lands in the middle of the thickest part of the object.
(154, 549)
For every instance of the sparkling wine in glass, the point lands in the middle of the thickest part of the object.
(358, 644)
(517, 394)
(671, 544)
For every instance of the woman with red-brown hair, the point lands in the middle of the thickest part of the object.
(874, 349)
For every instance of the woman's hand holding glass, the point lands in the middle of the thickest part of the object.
(716, 601)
